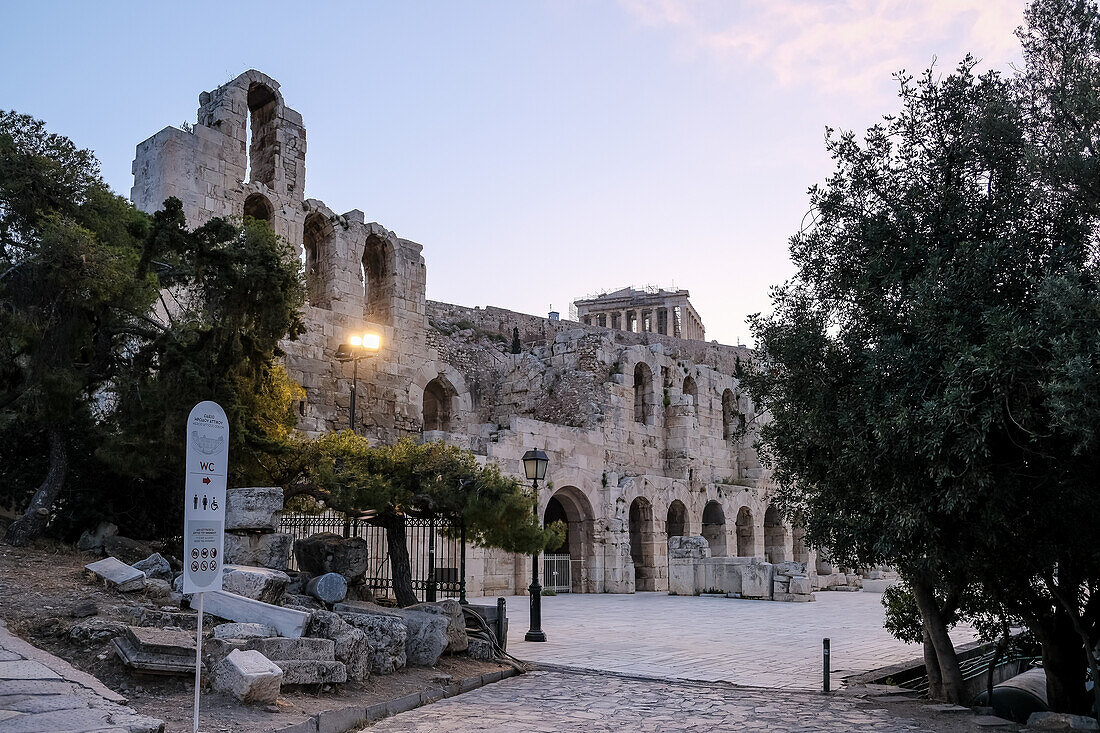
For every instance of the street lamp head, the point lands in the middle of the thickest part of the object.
(534, 465)
(371, 341)
(343, 352)
(356, 340)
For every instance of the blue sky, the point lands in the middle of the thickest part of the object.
(540, 151)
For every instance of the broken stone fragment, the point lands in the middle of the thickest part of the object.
(84, 609)
(456, 622)
(260, 584)
(117, 574)
(92, 541)
(249, 676)
(426, 636)
(386, 636)
(329, 588)
(157, 588)
(306, 648)
(286, 621)
(96, 629)
(255, 509)
(243, 631)
(269, 550)
(480, 649)
(350, 644)
(312, 672)
(127, 550)
(155, 566)
(327, 552)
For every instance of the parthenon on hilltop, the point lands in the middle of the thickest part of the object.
(653, 310)
(648, 430)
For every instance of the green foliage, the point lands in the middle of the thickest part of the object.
(931, 369)
(347, 473)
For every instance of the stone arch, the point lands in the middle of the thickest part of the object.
(378, 272)
(714, 528)
(258, 207)
(263, 147)
(641, 544)
(446, 379)
(643, 393)
(775, 536)
(690, 388)
(746, 533)
(676, 523)
(317, 236)
(570, 505)
(733, 420)
(438, 404)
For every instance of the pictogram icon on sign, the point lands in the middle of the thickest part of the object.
(213, 552)
(194, 553)
(203, 565)
(194, 566)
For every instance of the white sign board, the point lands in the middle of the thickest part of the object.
(204, 498)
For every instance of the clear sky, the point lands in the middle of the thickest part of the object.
(540, 151)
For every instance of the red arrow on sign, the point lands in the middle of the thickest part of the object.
(206, 479)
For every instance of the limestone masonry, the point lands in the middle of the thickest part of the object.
(649, 435)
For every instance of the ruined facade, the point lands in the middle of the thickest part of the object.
(654, 310)
(649, 435)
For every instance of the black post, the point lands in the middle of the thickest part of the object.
(462, 565)
(354, 381)
(431, 562)
(502, 615)
(825, 665)
(535, 633)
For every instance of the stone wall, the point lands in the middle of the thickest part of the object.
(644, 431)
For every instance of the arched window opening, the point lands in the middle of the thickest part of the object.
(378, 280)
(438, 398)
(258, 207)
(643, 385)
(775, 537)
(733, 420)
(314, 243)
(676, 522)
(263, 142)
(714, 528)
(746, 533)
(691, 389)
(641, 545)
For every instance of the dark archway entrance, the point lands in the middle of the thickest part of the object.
(676, 521)
(714, 528)
(746, 533)
(641, 545)
(775, 536)
(570, 505)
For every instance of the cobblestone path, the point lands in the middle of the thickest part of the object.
(548, 702)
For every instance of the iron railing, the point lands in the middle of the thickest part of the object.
(437, 555)
(557, 570)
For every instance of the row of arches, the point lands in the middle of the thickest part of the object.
(733, 419)
(570, 506)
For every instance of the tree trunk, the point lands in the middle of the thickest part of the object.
(37, 515)
(1064, 663)
(932, 669)
(400, 568)
(936, 629)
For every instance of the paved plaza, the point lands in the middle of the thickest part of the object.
(750, 643)
(550, 701)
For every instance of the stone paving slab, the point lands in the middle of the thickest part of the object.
(547, 702)
(41, 693)
(750, 643)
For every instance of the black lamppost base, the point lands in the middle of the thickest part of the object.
(535, 636)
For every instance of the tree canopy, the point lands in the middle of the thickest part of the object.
(931, 367)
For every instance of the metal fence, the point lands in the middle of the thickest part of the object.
(558, 573)
(438, 562)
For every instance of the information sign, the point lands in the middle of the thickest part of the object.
(204, 498)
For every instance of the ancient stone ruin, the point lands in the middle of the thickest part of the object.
(649, 434)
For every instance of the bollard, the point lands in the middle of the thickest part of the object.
(502, 613)
(825, 665)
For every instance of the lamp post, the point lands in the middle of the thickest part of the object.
(534, 466)
(358, 347)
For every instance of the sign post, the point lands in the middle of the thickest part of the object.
(204, 512)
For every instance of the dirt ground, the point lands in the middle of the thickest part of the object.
(42, 584)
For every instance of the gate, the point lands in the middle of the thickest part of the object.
(437, 552)
(558, 573)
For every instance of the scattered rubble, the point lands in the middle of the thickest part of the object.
(244, 631)
(327, 552)
(287, 621)
(155, 566)
(156, 651)
(249, 676)
(259, 584)
(117, 574)
(329, 588)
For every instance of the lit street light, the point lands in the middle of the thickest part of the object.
(358, 347)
